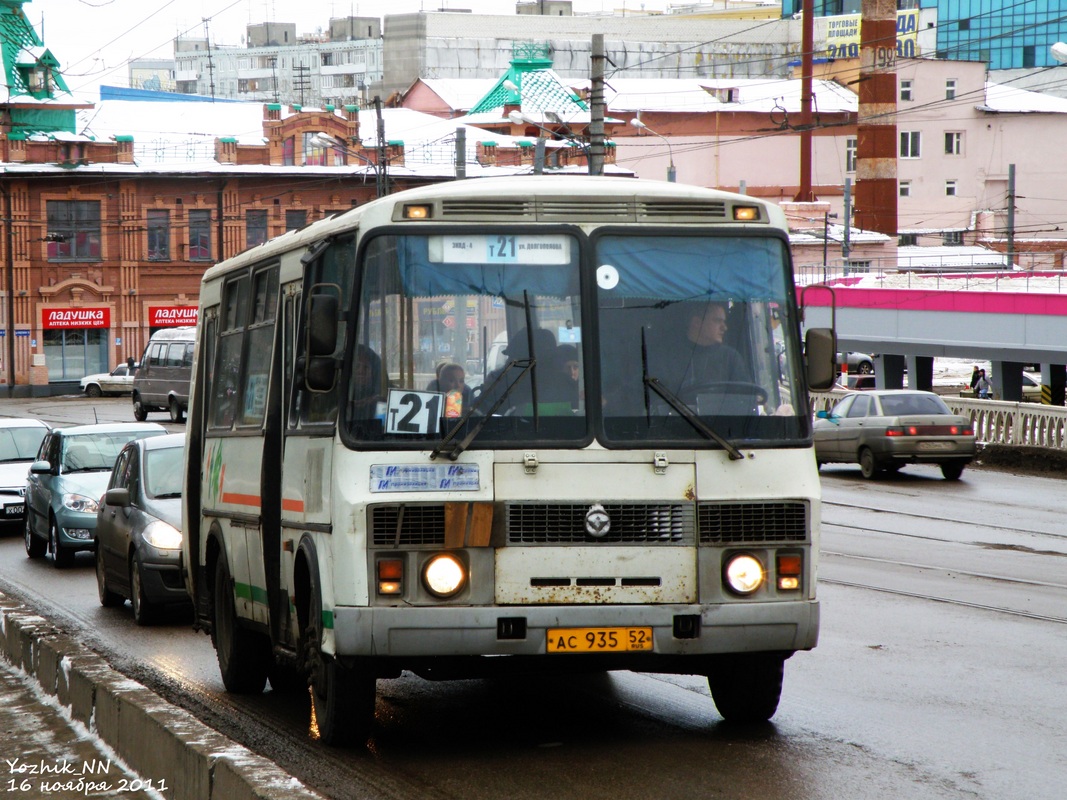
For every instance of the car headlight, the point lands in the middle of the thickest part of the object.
(80, 503)
(444, 575)
(163, 536)
(744, 574)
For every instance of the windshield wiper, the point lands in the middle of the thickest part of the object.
(455, 448)
(680, 406)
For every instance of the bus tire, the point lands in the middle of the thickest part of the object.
(343, 697)
(746, 688)
(243, 655)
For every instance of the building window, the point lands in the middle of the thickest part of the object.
(289, 152)
(910, 144)
(255, 227)
(950, 89)
(199, 235)
(965, 24)
(1029, 57)
(905, 189)
(954, 143)
(295, 219)
(850, 154)
(905, 90)
(907, 240)
(952, 238)
(950, 188)
(73, 230)
(158, 235)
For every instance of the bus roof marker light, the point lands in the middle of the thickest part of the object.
(417, 212)
(746, 213)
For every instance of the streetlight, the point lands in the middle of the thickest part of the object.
(671, 174)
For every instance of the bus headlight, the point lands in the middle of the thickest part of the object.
(744, 574)
(444, 575)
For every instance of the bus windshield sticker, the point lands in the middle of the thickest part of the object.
(411, 412)
(424, 478)
(501, 248)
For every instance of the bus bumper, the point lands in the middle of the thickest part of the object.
(677, 630)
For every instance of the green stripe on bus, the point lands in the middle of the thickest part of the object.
(242, 590)
(327, 620)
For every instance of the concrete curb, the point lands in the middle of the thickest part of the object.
(156, 739)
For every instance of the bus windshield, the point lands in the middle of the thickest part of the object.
(485, 332)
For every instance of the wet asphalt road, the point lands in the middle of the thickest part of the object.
(938, 673)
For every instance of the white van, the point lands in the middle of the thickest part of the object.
(162, 381)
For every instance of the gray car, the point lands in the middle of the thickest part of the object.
(66, 482)
(138, 528)
(882, 430)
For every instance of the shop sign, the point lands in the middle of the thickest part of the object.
(56, 318)
(171, 316)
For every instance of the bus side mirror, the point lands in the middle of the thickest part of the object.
(320, 368)
(820, 351)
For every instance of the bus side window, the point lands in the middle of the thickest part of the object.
(231, 340)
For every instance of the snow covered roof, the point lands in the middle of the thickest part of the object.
(760, 95)
(461, 94)
(1011, 99)
(951, 258)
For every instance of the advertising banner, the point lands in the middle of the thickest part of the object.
(55, 318)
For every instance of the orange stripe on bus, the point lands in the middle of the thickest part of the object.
(293, 505)
(241, 499)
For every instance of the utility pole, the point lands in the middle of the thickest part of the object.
(382, 175)
(807, 38)
(461, 153)
(846, 238)
(1011, 216)
(210, 62)
(596, 107)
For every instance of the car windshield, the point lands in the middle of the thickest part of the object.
(898, 405)
(163, 472)
(20, 444)
(91, 452)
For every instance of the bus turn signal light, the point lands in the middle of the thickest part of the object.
(390, 576)
(789, 570)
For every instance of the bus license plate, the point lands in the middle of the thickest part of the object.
(598, 640)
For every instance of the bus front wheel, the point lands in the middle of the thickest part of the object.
(343, 697)
(747, 688)
(243, 654)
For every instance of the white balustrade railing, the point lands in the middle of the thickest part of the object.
(995, 421)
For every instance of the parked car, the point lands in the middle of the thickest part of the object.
(20, 439)
(885, 429)
(857, 362)
(138, 528)
(118, 381)
(162, 381)
(857, 382)
(65, 484)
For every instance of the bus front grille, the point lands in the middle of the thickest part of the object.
(565, 523)
(753, 523)
(407, 525)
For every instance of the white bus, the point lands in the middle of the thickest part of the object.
(630, 486)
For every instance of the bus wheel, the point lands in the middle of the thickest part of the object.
(343, 697)
(243, 655)
(747, 688)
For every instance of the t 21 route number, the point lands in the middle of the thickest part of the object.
(413, 413)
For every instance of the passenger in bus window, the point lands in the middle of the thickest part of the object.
(567, 356)
(451, 378)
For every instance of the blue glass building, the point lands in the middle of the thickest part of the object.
(1005, 34)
